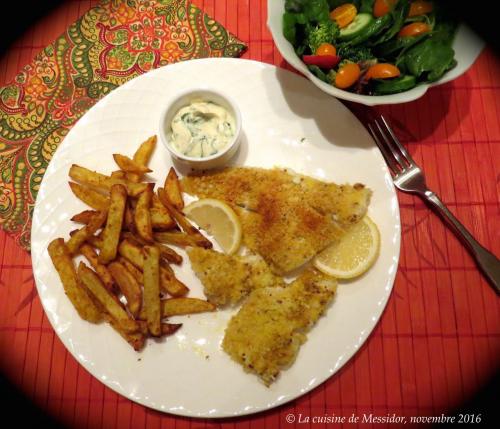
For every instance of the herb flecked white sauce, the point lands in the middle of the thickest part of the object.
(201, 129)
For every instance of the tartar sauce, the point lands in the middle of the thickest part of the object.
(201, 129)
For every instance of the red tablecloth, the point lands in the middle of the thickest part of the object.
(439, 338)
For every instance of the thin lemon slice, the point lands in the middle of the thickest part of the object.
(219, 220)
(354, 254)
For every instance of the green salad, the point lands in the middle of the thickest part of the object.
(371, 47)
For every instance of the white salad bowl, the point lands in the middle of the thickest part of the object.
(183, 99)
(467, 46)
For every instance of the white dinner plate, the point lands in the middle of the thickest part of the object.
(288, 122)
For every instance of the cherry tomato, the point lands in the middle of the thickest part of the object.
(382, 71)
(414, 29)
(420, 7)
(326, 49)
(344, 14)
(347, 75)
(383, 7)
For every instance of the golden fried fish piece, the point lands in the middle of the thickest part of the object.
(286, 218)
(271, 325)
(227, 279)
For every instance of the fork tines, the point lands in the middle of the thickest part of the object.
(395, 154)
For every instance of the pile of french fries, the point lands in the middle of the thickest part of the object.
(128, 280)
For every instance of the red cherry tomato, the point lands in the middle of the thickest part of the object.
(322, 61)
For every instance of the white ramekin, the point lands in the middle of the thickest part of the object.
(185, 98)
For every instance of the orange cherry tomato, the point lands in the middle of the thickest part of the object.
(382, 71)
(420, 7)
(383, 7)
(326, 49)
(414, 29)
(347, 75)
(344, 14)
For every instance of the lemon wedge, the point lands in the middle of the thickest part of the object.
(354, 254)
(217, 219)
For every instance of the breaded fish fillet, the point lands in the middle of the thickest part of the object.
(227, 279)
(286, 218)
(268, 330)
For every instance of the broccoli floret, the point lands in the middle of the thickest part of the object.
(324, 32)
(355, 53)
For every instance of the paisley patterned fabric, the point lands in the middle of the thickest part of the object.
(111, 44)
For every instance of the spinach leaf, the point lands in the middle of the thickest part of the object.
(295, 6)
(366, 6)
(444, 31)
(398, 14)
(392, 47)
(289, 30)
(392, 86)
(313, 10)
(429, 60)
(317, 11)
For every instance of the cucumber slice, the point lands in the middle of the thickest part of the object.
(392, 86)
(375, 28)
(356, 27)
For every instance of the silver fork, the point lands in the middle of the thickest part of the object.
(408, 177)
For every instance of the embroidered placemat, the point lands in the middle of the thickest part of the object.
(109, 45)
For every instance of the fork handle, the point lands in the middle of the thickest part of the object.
(487, 262)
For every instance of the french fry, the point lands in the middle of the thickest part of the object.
(179, 306)
(173, 189)
(84, 216)
(182, 306)
(160, 218)
(111, 233)
(128, 285)
(77, 294)
(101, 181)
(90, 197)
(152, 290)
(95, 240)
(168, 282)
(136, 272)
(181, 220)
(128, 165)
(169, 254)
(108, 301)
(142, 217)
(80, 236)
(160, 222)
(179, 239)
(132, 252)
(142, 156)
(169, 328)
(102, 271)
(165, 252)
(166, 328)
(136, 339)
(118, 174)
(128, 219)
